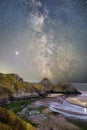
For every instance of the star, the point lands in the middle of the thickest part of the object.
(17, 53)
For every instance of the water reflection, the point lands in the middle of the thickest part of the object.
(85, 110)
(68, 109)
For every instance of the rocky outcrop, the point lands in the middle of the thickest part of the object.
(48, 85)
(12, 87)
(66, 88)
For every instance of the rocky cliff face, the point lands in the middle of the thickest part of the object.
(60, 87)
(48, 85)
(66, 88)
(12, 87)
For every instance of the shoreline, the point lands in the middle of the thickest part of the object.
(80, 100)
(61, 105)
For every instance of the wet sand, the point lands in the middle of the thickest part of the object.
(46, 119)
(64, 110)
(79, 100)
(74, 107)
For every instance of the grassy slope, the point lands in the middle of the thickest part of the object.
(9, 121)
(4, 127)
(11, 83)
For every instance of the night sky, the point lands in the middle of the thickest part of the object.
(44, 38)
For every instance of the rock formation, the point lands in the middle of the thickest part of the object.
(12, 87)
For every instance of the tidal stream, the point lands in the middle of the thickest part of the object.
(69, 109)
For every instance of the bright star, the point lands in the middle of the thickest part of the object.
(17, 53)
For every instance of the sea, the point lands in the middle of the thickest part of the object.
(80, 86)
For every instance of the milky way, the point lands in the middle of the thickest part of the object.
(44, 38)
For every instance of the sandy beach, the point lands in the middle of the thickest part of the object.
(75, 106)
(79, 99)
(59, 104)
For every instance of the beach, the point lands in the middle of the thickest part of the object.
(79, 99)
(72, 106)
(56, 112)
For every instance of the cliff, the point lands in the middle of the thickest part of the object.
(12, 87)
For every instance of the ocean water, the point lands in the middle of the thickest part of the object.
(80, 86)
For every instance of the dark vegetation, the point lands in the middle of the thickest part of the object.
(17, 106)
(9, 121)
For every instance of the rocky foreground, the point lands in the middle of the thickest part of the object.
(12, 87)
